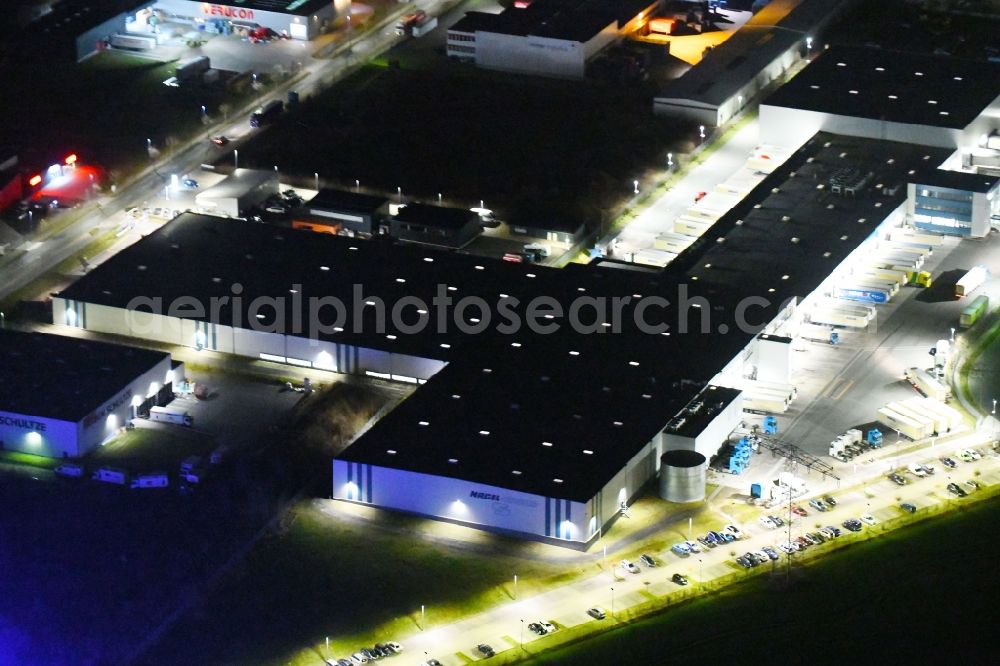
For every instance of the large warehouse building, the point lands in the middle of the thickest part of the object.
(61, 397)
(545, 37)
(895, 95)
(524, 428)
(299, 19)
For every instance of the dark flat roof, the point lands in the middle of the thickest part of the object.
(956, 180)
(503, 395)
(703, 408)
(896, 86)
(570, 20)
(296, 7)
(59, 377)
(344, 200)
(441, 217)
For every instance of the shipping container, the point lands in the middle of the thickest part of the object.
(972, 312)
(971, 281)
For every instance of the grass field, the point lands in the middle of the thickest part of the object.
(532, 148)
(921, 594)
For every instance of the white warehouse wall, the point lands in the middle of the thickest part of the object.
(461, 501)
(791, 128)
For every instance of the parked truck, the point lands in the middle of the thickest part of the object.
(862, 294)
(110, 475)
(423, 27)
(927, 384)
(409, 21)
(973, 311)
(170, 415)
(133, 42)
(267, 113)
(151, 480)
(971, 281)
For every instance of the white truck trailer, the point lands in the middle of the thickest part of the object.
(971, 281)
(170, 415)
(927, 384)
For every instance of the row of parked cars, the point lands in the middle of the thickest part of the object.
(365, 655)
(711, 539)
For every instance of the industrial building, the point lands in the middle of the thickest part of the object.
(76, 29)
(62, 397)
(731, 74)
(298, 19)
(537, 432)
(352, 212)
(953, 202)
(435, 225)
(545, 37)
(238, 192)
(895, 95)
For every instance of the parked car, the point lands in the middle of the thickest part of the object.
(817, 537)
(868, 519)
(908, 508)
(765, 521)
(679, 579)
(897, 479)
(852, 524)
(777, 520)
(743, 561)
(835, 530)
(190, 183)
(972, 484)
(220, 140)
(596, 613)
(485, 650)
(949, 463)
(680, 549)
(956, 490)
(692, 546)
(705, 542)
(536, 628)
(735, 531)
(629, 567)
(826, 532)
(647, 560)
(787, 547)
(771, 552)
(817, 504)
(548, 627)
(799, 511)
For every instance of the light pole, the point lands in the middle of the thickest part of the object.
(3, 320)
(357, 185)
(994, 412)
(953, 334)
(236, 159)
(522, 633)
(275, 168)
(612, 602)
(316, 176)
(423, 618)
(809, 43)
(204, 113)
(635, 187)
(701, 131)
(690, 521)
(149, 149)
(670, 160)
(399, 193)
(439, 198)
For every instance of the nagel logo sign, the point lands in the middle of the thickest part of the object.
(228, 12)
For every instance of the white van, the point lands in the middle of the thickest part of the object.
(110, 475)
(69, 470)
(151, 480)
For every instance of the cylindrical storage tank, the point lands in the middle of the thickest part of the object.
(683, 476)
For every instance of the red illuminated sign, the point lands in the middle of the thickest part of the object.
(71, 159)
(34, 180)
(228, 12)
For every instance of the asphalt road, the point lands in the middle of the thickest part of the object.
(318, 74)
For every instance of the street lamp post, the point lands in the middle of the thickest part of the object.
(701, 131)
(670, 160)
(316, 176)
(423, 618)
(439, 198)
(357, 185)
(994, 411)
(236, 159)
(522, 633)
(515, 586)
(612, 602)
(635, 187)
(399, 193)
